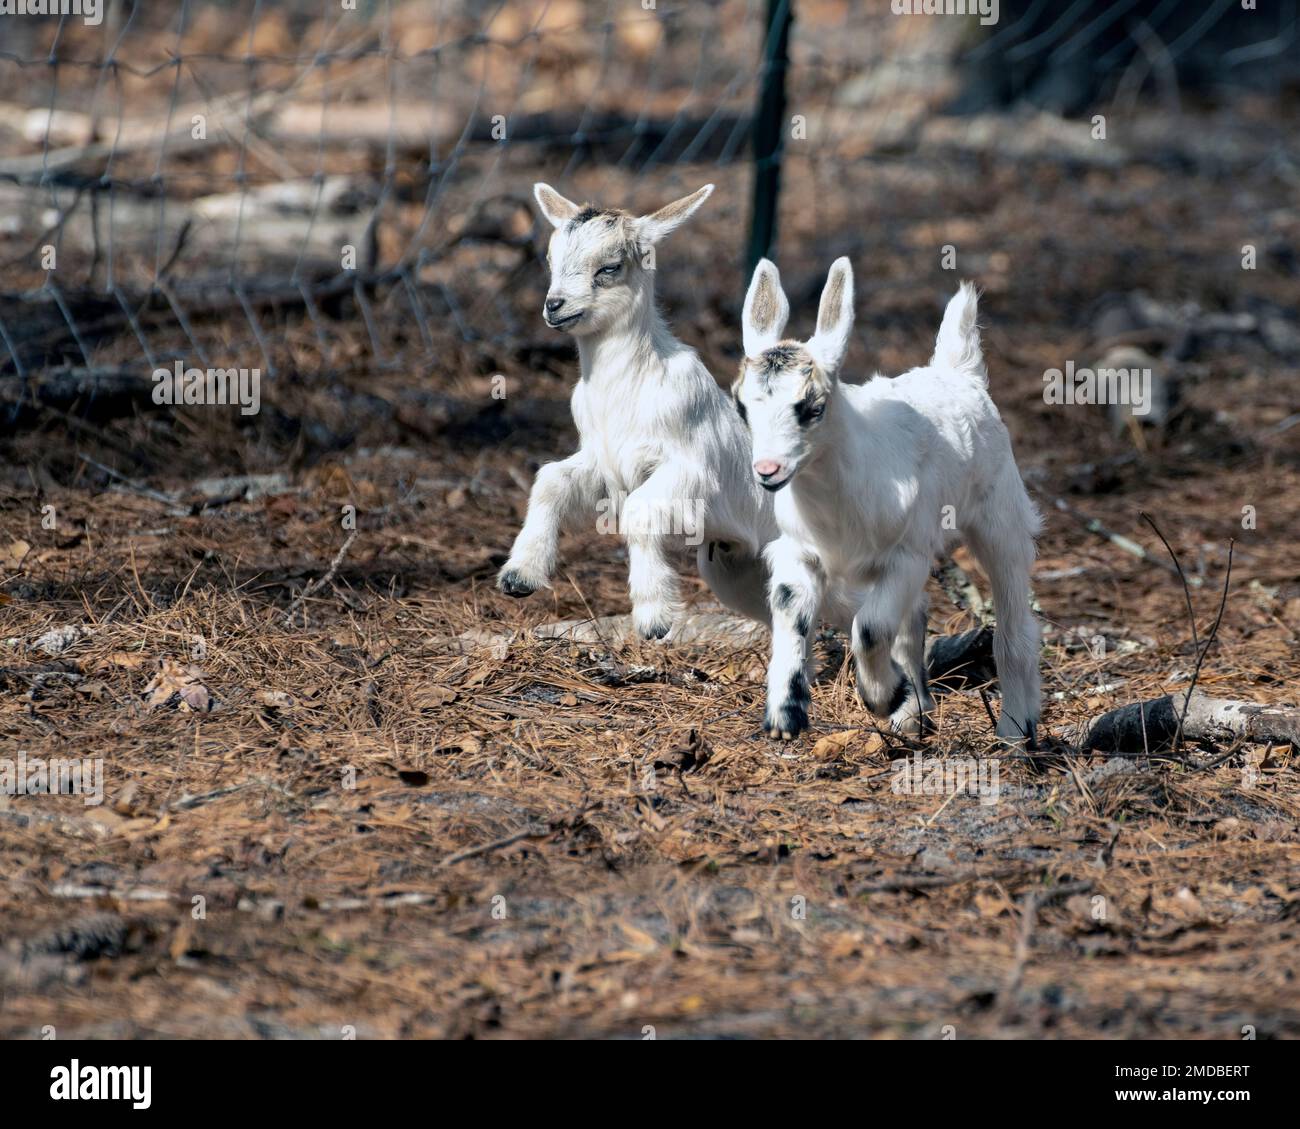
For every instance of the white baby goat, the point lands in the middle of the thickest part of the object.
(658, 436)
(876, 480)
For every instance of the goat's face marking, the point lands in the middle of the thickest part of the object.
(600, 258)
(593, 259)
(782, 395)
(785, 387)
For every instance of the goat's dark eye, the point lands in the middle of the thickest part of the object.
(608, 270)
(808, 410)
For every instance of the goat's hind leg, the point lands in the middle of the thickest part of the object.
(888, 639)
(652, 514)
(562, 493)
(737, 579)
(1006, 555)
(913, 717)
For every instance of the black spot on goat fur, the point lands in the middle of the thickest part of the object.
(866, 638)
(590, 213)
(799, 695)
(901, 693)
(783, 597)
(809, 409)
(773, 360)
(802, 625)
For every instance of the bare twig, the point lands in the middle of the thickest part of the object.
(137, 487)
(1092, 525)
(320, 581)
(1191, 617)
(1028, 921)
(988, 709)
(905, 882)
(1214, 631)
(496, 844)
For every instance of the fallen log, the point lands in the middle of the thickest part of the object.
(104, 393)
(276, 122)
(299, 221)
(961, 662)
(35, 332)
(231, 117)
(1152, 726)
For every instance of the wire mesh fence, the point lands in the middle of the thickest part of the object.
(342, 184)
(185, 181)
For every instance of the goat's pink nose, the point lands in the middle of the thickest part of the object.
(765, 468)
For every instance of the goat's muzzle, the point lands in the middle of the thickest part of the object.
(554, 316)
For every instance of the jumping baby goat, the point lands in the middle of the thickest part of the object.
(657, 433)
(873, 471)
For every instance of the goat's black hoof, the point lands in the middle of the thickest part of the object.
(512, 584)
(883, 708)
(1014, 736)
(785, 723)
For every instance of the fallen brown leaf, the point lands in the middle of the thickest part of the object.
(178, 684)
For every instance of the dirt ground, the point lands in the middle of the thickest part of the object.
(347, 789)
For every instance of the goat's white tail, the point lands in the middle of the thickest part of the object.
(958, 344)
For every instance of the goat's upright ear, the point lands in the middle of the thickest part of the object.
(652, 228)
(834, 319)
(767, 309)
(554, 206)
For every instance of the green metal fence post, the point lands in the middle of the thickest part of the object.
(769, 121)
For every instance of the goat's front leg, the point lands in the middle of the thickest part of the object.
(650, 516)
(794, 595)
(891, 625)
(562, 492)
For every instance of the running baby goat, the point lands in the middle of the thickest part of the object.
(659, 441)
(875, 481)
